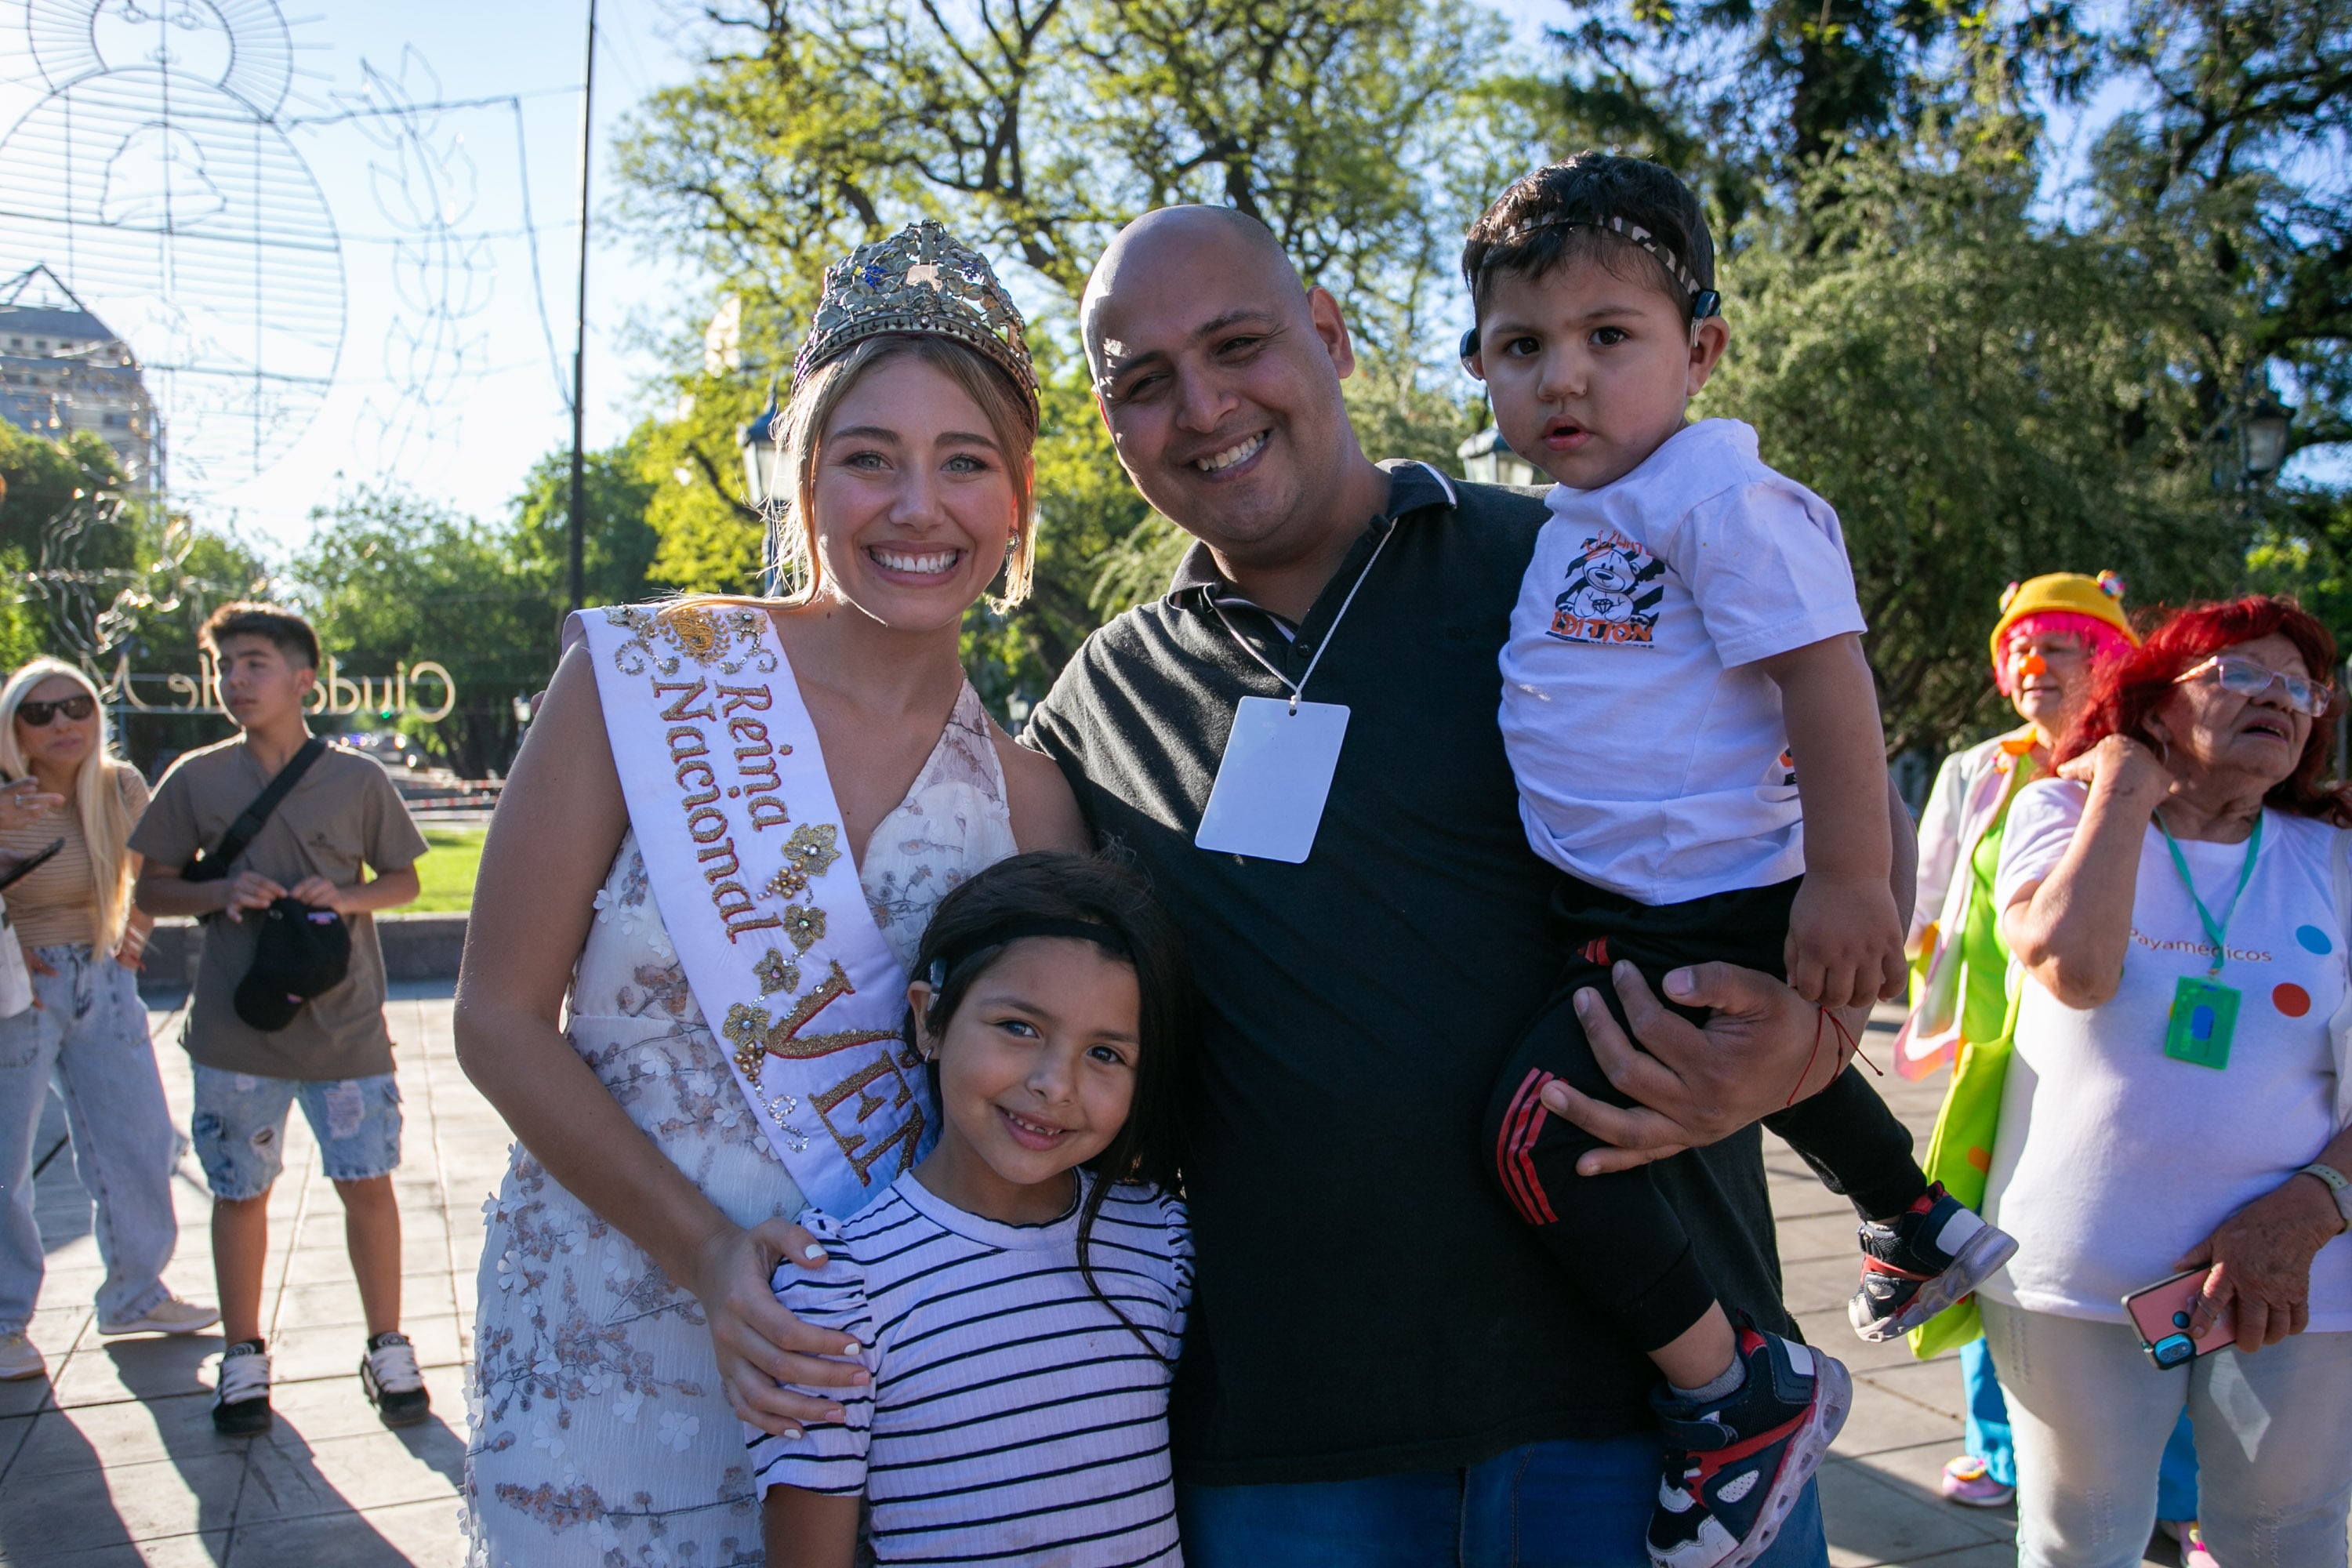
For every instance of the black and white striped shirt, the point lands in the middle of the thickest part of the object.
(1011, 1416)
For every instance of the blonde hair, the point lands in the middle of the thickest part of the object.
(1011, 419)
(96, 800)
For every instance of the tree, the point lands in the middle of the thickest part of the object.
(619, 542)
(1743, 98)
(388, 578)
(1982, 397)
(110, 578)
(1035, 128)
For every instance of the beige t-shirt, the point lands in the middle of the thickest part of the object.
(342, 815)
(56, 904)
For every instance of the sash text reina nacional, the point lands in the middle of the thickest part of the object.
(403, 692)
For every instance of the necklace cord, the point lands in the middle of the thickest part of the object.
(2216, 933)
(1298, 688)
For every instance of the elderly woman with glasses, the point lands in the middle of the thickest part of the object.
(87, 1031)
(2179, 1103)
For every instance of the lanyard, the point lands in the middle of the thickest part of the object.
(2215, 932)
(1298, 688)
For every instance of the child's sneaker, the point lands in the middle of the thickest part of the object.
(1968, 1482)
(1934, 1253)
(1735, 1466)
(388, 1371)
(241, 1401)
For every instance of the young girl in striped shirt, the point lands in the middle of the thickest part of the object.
(1020, 1294)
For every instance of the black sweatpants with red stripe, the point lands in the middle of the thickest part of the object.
(1617, 1236)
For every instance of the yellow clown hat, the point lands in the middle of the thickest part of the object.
(2067, 592)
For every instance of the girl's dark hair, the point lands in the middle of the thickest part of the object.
(973, 927)
(1570, 200)
(2127, 691)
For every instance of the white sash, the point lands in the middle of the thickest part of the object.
(747, 858)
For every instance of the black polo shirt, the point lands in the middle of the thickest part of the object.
(1366, 1301)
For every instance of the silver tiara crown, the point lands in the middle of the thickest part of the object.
(921, 281)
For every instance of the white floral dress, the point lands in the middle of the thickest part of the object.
(600, 1433)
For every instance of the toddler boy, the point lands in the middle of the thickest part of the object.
(1696, 738)
(257, 1045)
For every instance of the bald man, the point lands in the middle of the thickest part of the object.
(1382, 1366)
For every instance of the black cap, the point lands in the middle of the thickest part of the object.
(298, 954)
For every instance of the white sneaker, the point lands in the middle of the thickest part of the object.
(394, 1384)
(19, 1360)
(169, 1316)
(241, 1401)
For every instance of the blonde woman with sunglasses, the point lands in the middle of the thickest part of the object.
(87, 1031)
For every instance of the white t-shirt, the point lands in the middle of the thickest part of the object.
(2114, 1159)
(1649, 749)
(1012, 1415)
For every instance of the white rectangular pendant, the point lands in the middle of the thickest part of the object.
(1273, 779)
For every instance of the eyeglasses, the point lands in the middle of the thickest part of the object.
(2249, 679)
(37, 715)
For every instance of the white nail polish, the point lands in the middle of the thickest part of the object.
(813, 1252)
(794, 1435)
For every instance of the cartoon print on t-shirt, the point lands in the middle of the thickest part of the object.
(1612, 593)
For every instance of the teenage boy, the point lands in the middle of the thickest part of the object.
(341, 820)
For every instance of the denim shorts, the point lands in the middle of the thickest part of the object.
(239, 1127)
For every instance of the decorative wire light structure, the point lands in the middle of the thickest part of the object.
(155, 179)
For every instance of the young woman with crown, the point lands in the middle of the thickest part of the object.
(685, 980)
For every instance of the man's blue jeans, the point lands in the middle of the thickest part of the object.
(1548, 1505)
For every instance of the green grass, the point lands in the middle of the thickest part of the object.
(445, 874)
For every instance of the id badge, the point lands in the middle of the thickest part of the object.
(2204, 1016)
(1273, 779)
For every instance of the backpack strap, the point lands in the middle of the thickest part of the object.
(212, 867)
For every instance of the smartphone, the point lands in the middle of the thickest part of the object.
(2160, 1313)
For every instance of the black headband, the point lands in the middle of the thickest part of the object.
(1108, 938)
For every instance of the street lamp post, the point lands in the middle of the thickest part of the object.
(578, 541)
(1487, 459)
(2262, 438)
(2252, 441)
(757, 441)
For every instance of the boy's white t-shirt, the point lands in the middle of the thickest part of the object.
(1650, 752)
(2113, 1159)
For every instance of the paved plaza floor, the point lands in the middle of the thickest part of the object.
(112, 1458)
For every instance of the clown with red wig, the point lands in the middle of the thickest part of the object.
(2053, 633)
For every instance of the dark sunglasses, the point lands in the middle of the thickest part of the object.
(37, 715)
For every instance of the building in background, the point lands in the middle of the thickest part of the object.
(63, 370)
